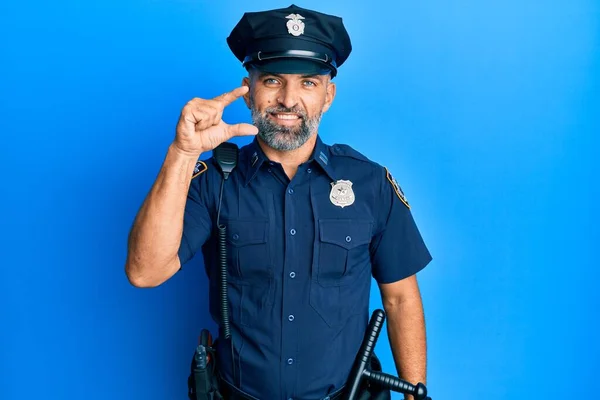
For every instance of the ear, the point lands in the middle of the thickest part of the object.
(330, 95)
(246, 82)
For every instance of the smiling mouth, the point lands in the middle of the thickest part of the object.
(285, 116)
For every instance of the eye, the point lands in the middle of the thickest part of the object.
(310, 83)
(270, 81)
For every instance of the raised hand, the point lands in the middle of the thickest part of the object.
(201, 128)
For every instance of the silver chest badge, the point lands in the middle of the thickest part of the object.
(341, 193)
(295, 25)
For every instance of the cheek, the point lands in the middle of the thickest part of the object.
(262, 97)
(265, 99)
(317, 104)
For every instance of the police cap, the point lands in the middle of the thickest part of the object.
(291, 40)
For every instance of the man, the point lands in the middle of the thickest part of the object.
(307, 224)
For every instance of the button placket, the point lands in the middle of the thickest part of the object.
(291, 240)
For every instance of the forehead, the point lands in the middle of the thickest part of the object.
(263, 74)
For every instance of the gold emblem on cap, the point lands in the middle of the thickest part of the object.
(295, 25)
(341, 193)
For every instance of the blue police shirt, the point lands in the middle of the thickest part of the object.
(301, 254)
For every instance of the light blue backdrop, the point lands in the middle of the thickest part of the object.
(486, 112)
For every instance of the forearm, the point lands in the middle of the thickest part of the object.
(156, 233)
(406, 332)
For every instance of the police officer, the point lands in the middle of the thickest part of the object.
(308, 224)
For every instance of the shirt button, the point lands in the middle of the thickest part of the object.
(348, 239)
(292, 275)
(236, 236)
(291, 318)
(269, 169)
(309, 170)
(290, 361)
(293, 231)
(291, 191)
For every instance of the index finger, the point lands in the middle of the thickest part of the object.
(227, 98)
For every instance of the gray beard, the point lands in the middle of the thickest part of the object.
(284, 138)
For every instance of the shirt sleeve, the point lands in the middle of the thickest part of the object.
(197, 222)
(397, 250)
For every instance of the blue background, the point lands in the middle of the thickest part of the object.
(487, 113)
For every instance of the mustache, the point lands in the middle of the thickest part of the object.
(293, 110)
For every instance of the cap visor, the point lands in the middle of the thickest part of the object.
(293, 66)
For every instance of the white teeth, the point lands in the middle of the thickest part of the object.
(286, 116)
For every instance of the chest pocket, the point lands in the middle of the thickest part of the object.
(343, 250)
(251, 280)
(341, 269)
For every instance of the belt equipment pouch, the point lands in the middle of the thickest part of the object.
(203, 382)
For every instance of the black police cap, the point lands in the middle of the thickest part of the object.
(291, 40)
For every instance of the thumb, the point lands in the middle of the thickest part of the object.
(241, 130)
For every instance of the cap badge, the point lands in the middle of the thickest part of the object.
(341, 193)
(295, 25)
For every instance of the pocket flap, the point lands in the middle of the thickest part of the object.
(346, 233)
(246, 232)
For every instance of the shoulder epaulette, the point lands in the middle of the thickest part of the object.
(345, 150)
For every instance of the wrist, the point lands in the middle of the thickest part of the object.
(184, 154)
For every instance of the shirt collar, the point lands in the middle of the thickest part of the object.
(322, 156)
(256, 157)
(254, 160)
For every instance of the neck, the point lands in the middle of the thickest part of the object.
(290, 159)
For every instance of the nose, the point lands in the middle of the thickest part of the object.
(288, 96)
